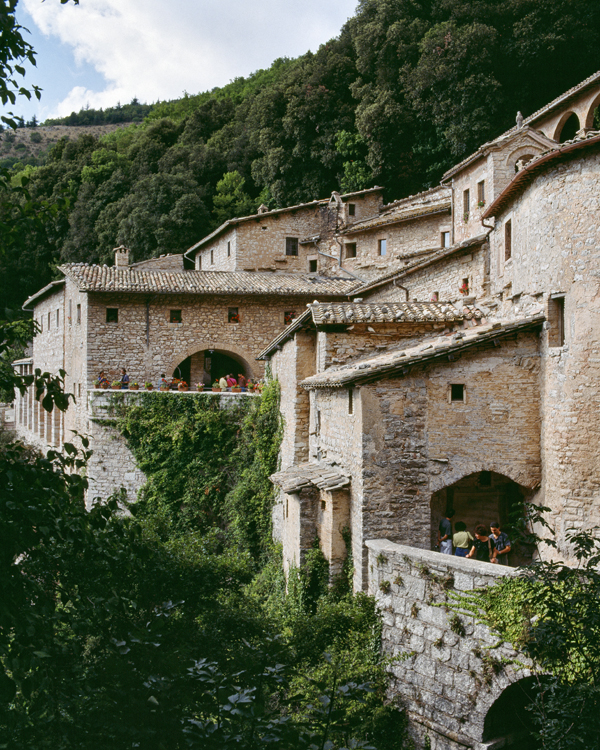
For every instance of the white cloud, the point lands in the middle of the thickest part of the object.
(156, 49)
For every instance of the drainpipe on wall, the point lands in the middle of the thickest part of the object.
(399, 286)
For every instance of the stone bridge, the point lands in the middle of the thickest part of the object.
(456, 682)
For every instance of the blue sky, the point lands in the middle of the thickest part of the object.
(105, 51)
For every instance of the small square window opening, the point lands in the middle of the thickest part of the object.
(312, 266)
(233, 315)
(351, 209)
(175, 316)
(351, 250)
(445, 239)
(112, 315)
(79, 313)
(382, 245)
(457, 392)
(291, 246)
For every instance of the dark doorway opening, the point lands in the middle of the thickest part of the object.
(509, 719)
(482, 498)
(209, 365)
(570, 128)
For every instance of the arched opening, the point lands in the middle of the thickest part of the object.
(508, 719)
(482, 498)
(209, 365)
(592, 119)
(522, 161)
(569, 129)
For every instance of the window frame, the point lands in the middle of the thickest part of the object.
(382, 247)
(350, 253)
(174, 318)
(112, 312)
(291, 247)
(452, 392)
(508, 239)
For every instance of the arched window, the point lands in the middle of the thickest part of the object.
(569, 128)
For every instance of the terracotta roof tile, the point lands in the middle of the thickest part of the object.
(111, 279)
(321, 475)
(391, 363)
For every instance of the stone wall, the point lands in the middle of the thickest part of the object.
(149, 346)
(169, 262)
(556, 251)
(449, 671)
(402, 239)
(405, 440)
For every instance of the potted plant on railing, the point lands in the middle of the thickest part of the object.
(250, 386)
(134, 386)
(236, 388)
(165, 385)
(148, 385)
(175, 383)
(182, 386)
(464, 288)
(116, 385)
(216, 387)
(199, 386)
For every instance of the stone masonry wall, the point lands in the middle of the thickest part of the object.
(556, 250)
(204, 326)
(444, 278)
(403, 239)
(450, 669)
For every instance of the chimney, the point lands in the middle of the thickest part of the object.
(262, 209)
(121, 256)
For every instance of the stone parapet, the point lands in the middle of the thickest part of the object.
(448, 669)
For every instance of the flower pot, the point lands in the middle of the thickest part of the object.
(115, 387)
(104, 386)
(149, 387)
(134, 388)
(199, 388)
(236, 389)
(216, 390)
(165, 388)
(182, 387)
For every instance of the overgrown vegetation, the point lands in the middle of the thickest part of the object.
(404, 92)
(173, 628)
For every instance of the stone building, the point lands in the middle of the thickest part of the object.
(438, 352)
(465, 378)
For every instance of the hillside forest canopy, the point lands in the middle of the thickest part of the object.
(407, 89)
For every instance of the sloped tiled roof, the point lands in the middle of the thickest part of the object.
(393, 362)
(350, 313)
(51, 287)
(321, 475)
(112, 279)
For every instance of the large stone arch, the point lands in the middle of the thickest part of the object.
(503, 709)
(452, 474)
(588, 121)
(527, 152)
(237, 352)
(558, 130)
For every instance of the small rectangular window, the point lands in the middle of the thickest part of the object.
(48, 321)
(212, 257)
(41, 324)
(382, 247)
(233, 315)
(464, 287)
(508, 240)
(466, 203)
(350, 401)
(57, 318)
(291, 246)
(79, 313)
(351, 209)
(229, 249)
(457, 392)
(481, 194)
(199, 261)
(351, 250)
(288, 317)
(112, 314)
(445, 239)
(312, 266)
(556, 321)
(435, 296)
(175, 316)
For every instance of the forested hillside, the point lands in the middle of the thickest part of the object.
(406, 90)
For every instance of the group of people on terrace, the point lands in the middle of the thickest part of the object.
(225, 383)
(488, 544)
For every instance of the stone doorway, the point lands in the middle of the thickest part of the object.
(481, 498)
(209, 365)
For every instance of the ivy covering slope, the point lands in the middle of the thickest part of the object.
(408, 88)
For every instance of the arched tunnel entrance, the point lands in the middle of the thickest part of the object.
(482, 498)
(209, 365)
(509, 720)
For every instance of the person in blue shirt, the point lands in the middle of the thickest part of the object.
(445, 533)
(501, 543)
(124, 379)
